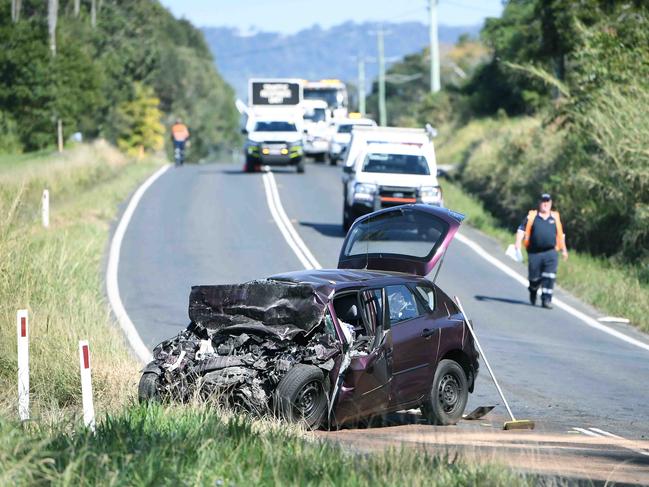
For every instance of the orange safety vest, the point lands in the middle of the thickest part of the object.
(179, 132)
(561, 237)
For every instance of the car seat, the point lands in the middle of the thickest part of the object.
(347, 310)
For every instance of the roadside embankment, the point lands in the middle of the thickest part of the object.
(501, 164)
(55, 273)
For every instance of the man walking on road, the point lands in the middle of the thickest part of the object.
(179, 136)
(542, 234)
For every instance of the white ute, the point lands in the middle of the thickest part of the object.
(382, 174)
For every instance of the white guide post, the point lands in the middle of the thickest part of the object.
(46, 208)
(22, 328)
(86, 385)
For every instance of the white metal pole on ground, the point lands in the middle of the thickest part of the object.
(86, 385)
(59, 134)
(484, 357)
(22, 329)
(45, 208)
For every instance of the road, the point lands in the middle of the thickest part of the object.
(211, 224)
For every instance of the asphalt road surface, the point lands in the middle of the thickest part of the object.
(211, 224)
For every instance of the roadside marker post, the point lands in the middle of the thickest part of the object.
(45, 208)
(22, 329)
(86, 385)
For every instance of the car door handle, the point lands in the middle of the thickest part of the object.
(426, 333)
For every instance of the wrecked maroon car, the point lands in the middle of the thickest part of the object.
(332, 347)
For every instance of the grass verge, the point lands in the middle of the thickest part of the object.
(56, 274)
(197, 446)
(611, 287)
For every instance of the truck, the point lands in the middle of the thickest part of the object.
(273, 124)
(331, 91)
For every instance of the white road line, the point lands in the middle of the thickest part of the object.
(599, 433)
(587, 432)
(605, 433)
(285, 226)
(112, 286)
(587, 320)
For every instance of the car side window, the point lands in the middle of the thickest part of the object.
(426, 301)
(401, 303)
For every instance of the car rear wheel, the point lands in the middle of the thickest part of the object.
(448, 396)
(300, 396)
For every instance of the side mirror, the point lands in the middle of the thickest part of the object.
(348, 169)
(244, 131)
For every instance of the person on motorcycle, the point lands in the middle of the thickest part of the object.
(179, 136)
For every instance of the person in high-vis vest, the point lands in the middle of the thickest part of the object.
(179, 136)
(541, 232)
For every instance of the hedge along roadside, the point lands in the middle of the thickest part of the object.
(56, 274)
(612, 287)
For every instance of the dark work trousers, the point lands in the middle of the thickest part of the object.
(542, 272)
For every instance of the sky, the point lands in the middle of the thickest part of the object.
(290, 16)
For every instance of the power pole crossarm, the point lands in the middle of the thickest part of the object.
(434, 48)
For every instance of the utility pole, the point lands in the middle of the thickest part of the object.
(52, 17)
(93, 13)
(77, 5)
(15, 10)
(434, 48)
(382, 111)
(361, 85)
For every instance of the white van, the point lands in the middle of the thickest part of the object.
(390, 167)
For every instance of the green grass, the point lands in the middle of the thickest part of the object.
(613, 288)
(194, 445)
(56, 274)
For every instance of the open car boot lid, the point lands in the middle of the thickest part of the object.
(408, 238)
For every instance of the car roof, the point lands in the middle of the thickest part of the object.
(339, 279)
(394, 148)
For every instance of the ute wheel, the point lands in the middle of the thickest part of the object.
(333, 160)
(448, 396)
(147, 390)
(300, 167)
(300, 396)
(249, 166)
(348, 218)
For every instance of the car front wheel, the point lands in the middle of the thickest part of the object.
(300, 396)
(445, 403)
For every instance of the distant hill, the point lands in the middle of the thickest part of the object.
(316, 53)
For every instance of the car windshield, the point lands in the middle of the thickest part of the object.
(316, 115)
(345, 129)
(330, 95)
(278, 126)
(396, 164)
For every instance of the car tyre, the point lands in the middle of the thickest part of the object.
(249, 166)
(300, 396)
(347, 218)
(300, 167)
(448, 396)
(147, 390)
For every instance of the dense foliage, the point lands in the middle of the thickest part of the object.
(581, 69)
(99, 70)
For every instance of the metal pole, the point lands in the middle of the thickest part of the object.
(382, 110)
(52, 17)
(93, 13)
(77, 5)
(484, 357)
(361, 85)
(59, 132)
(434, 48)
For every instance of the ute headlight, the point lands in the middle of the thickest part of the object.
(430, 194)
(364, 191)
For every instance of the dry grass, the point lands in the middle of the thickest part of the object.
(56, 274)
